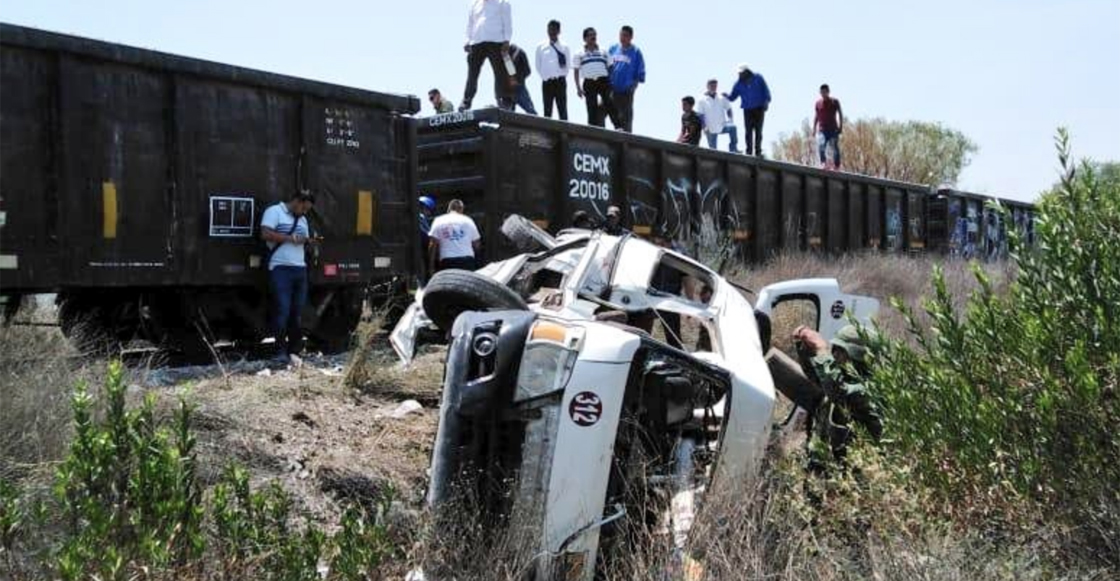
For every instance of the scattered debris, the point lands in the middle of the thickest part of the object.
(406, 407)
(266, 372)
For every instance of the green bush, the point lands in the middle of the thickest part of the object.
(126, 504)
(1011, 406)
(126, 491)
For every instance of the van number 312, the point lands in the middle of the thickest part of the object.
(586, 190)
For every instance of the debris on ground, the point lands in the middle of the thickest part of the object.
(405, 408)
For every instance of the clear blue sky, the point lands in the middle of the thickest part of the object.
(1005, 72)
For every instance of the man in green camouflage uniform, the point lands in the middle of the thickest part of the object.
(841, 370)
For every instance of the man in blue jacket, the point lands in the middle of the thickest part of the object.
(628, 68)
(755, 95)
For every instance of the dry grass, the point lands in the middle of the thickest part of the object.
(38, 371)
(877, 275)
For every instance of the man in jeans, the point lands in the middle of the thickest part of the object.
(717, 113)
(691, 124)
(285, 230)
(828, 124)
(518, 93)
(755, 95)
(489, 29)
(454, 240)
(628, 70)
(593, 64)
(553, 59)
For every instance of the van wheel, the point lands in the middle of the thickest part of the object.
(525, 235)
(453, 292)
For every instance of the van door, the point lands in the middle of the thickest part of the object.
(832, 306)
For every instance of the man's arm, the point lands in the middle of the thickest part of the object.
(765, 91)
(575, 72)
(816, 119)
(470, 27)
(433, 253)
(270, 235)
(840, 116)
(269, 222)
(540, 57)
(523, 66)
(734, 93)
(641, 65)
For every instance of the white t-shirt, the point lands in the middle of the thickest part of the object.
(715, 111)
(278, 218)
(455, 233)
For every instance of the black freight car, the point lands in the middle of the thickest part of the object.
(132, 183)
(501, 163)
(965, 225)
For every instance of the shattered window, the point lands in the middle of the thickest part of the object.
(679, 278)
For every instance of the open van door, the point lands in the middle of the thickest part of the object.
(833, 307)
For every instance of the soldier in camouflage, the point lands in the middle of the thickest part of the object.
(841, 370)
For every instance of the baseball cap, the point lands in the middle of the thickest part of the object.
(849, 339)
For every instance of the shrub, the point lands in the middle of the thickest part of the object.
(126, 504)
(1011, 405)
(126, 491)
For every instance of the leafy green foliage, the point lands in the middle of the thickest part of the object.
(910, 151)
(1012, 405)
(127, 504)
(126, 491)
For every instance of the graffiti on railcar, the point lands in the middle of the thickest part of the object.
(894, 228)
(685, 206)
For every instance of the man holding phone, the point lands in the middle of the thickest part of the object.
(285, 230)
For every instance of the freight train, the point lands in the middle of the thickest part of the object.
(132, 183)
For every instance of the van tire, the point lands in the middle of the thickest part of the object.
(525, 235)
(451, 292)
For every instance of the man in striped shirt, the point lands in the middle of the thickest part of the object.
(595, 89)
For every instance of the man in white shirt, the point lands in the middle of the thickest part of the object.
(553, 59)
(592, 65)
(718, 116)
(489, 30)
(454, 240)
(285, 230)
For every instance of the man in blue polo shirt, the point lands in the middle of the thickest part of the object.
(628, 69)
(755, 95)
(285, 230)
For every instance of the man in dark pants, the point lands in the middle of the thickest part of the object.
(553, 59)
(454, 240)
(285, 230)
(628, 70)
(593, 65)
(755, 95)
(489, 29)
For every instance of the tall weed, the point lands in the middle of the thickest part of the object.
(1007, 409)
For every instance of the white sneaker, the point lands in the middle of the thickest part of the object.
(295, 360)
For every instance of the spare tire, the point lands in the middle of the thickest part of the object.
(525, 235)
(451, 292)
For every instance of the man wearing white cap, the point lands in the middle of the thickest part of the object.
(755, 95)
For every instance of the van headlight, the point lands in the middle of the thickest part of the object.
(548, 359)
